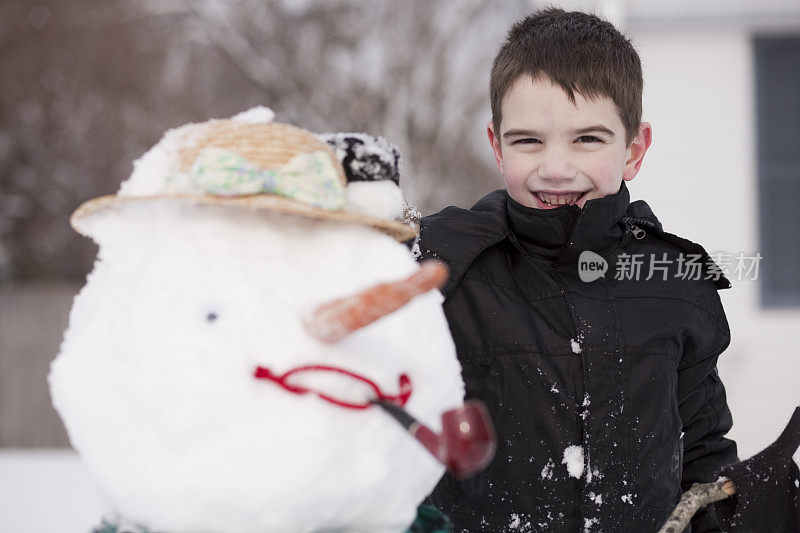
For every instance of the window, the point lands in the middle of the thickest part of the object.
(777, 71)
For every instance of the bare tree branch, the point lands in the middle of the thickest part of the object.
(699, 495)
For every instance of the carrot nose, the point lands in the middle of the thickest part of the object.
(334, 320)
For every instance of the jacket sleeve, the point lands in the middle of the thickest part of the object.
(703, 407)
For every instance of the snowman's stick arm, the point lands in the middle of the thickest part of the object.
(334, 320)
(699, 495)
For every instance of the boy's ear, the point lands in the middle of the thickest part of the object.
(494, 140)
(636, 151)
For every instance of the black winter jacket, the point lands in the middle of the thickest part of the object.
(624, 368)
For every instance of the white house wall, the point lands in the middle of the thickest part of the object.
(700, 178)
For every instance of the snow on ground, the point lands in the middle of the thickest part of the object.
(46, 491)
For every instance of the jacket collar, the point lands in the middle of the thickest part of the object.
(560, 235)
(457, 236)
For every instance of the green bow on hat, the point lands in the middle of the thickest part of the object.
(309, 178)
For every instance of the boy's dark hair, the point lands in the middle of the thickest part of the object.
(577, 51)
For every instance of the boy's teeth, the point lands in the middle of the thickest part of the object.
(558, 199)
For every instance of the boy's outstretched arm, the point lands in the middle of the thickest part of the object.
(705, 415)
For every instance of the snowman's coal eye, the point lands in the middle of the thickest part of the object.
(211, 317)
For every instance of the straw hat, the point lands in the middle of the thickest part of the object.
(251, 165)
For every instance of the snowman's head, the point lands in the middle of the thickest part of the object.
(213, 259)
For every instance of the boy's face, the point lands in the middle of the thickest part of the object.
(551, 152)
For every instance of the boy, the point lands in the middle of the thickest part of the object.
(602, 384)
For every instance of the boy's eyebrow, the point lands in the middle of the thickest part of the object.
(533, 133)
(590, 129)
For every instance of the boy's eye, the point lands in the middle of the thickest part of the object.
(526, 141)
(589, 138)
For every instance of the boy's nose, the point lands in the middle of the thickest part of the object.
(556, 169)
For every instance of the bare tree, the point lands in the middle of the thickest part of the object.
(87, 86)
(414, 71)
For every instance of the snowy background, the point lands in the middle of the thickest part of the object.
(87, 86)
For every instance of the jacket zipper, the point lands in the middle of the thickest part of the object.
(638, 232)
(632, 229)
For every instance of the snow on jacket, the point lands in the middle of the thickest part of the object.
(622, 370)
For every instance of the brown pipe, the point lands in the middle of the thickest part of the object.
(467, 443)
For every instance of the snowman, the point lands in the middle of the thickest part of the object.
(251, 334)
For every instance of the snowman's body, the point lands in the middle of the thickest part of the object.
(155, 377)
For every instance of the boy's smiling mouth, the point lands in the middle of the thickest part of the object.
(552, 199)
